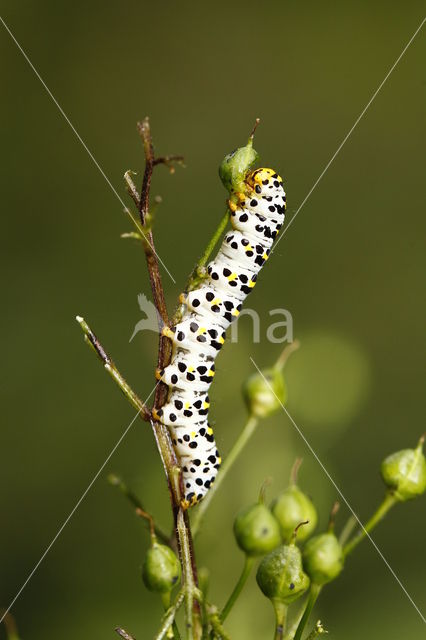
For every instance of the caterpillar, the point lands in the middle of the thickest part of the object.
(257, 205)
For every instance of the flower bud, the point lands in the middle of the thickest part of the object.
(280, 575)
(323, 558)
(256, 530)
(292, 507)
(404, 472)
(265, 392)
(161, 569)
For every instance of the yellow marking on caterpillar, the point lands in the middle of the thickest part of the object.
(202, 330)
(168, 333)
(221, 340)
(232, 277)
(192, 434)
(187, 405)
(158, 374)
(155, 415)
(235, 313)
(206, 405)
(219, 460)
(251, 284)
(191, 369)
(265, 256)
(209, 431)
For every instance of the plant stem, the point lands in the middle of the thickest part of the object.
(295, 623)
(173, 632)
(280, 618)
(123, 634)
(248, 566)
(170, 615)
(238, 446)
(388, 502)
(347, 530)
(189, 585)
(116, 481)
(197, 273)
(109, 365)
(285, 354)
(314, 592)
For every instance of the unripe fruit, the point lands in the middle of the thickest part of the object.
(404, 472)
(291, 508)
(280, 575)
(256, 530)
(265, 392)
(323, 558)
(161, 569)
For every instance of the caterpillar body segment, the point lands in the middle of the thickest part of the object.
(257, 210)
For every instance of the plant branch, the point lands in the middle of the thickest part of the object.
(91, 339)
(248, 566)
(198, 274)
(388, 502)
(123, 634)
(237, 448)
(169, 616)
(314, 592)
(116, 481)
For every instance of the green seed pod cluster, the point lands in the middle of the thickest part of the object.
(292, 507)
(323, 558)
(404, 472)
(264, 394)
(256, 530)
(280, 575)
(161, 569)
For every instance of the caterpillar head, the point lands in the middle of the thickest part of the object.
(236, 165)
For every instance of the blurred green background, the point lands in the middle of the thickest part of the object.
(349, 270)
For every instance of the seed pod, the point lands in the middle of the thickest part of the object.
(292, 507)
(280, 575)
(323, 558)
(161, 569)
(256, 530)
(265, 392)
(404, 472)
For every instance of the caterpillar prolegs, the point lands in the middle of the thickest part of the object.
(257, 206)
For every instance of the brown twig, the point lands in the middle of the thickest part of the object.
(123, 634)
(161, 433)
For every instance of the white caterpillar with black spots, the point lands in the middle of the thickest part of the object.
(257, 213)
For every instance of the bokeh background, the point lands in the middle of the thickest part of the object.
(349, 270)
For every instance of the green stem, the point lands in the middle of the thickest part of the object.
(248, 566)
(388, 502)
(116, 481)
(313, 597)
(280, 618)
(217, 626)
(295, 623)
(109, 365)
(188, 577)
(173, 631)
(197, 273)
(239, 445)
(170, 615)
(347, 530)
